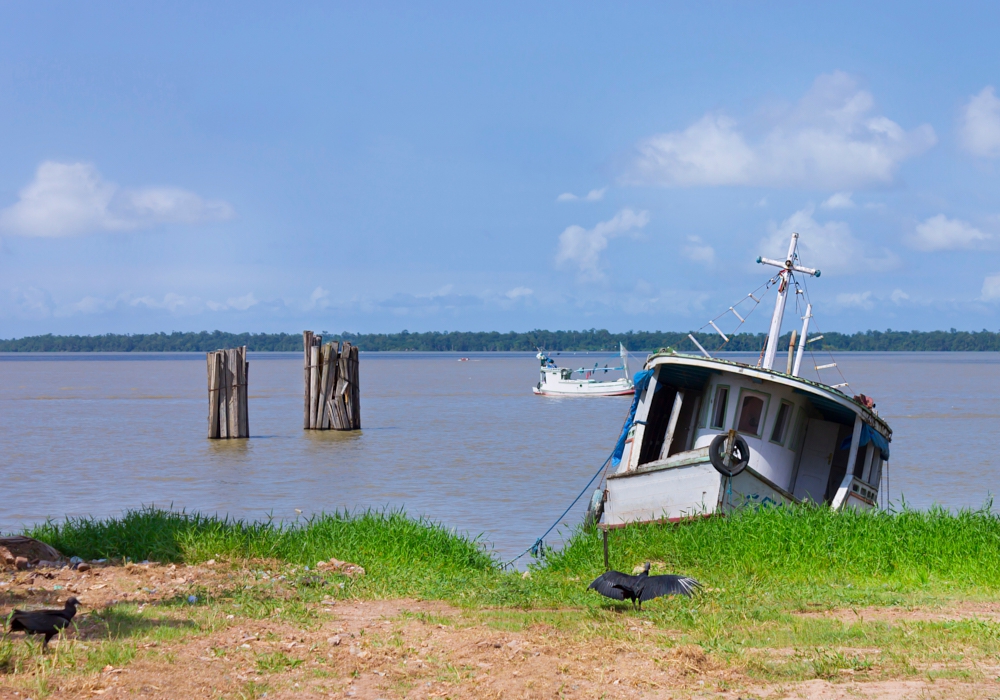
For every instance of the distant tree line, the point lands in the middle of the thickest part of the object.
(457, 341)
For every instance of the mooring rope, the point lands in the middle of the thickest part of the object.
(538, 548)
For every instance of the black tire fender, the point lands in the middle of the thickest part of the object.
(595, 509)
(740, 454)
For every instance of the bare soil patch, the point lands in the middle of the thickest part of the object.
(363, 649)
(962, 611)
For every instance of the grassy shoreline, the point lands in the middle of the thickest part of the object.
(795, 546)
(791, 594)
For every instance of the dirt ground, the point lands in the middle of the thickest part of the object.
(363, 649)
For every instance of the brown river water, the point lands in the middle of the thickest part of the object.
(463, 443)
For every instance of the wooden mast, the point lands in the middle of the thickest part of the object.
(785, 276)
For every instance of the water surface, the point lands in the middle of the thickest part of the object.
(464, 443)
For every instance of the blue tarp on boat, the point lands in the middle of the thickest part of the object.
(640, 380)
(868, 435)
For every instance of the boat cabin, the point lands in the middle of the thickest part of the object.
(806, 441)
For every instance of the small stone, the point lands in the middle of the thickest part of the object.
(210, 562)
(75, 560)
(83, 566)
(334, 640)
(20, 563)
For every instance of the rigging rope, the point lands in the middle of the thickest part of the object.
(743, 319)
(812, 355)
(538, 548)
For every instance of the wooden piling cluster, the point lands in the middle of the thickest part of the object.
(227, 393)
(332, 393)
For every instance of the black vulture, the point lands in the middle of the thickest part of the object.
(47, 622)
(615, 584)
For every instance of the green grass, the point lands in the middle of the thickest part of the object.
(794, 553)
(806, 546)
(276, 662)
(405, 556)
(760, 568)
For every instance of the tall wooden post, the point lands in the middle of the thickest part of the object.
(307, 347)
(228, 415)
(332, 389)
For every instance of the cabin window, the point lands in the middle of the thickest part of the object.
(719, 407)
(751, 414)
(780, 430)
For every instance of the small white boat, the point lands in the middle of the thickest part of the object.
(559, 381)
(708, 435)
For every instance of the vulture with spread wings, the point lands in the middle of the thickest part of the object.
(615, 584)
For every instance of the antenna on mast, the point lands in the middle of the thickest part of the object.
(787, 267)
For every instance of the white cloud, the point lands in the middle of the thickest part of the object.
(645, 299)
(699, 251)
(592, 196)
(172, 302)
(319, 299)
(991, 288)
(830, 246)
(840, 200)
(239, 303)
(829, 139)
(979, 125)
(29, 303)
(519, 292)
(860, 300)
(89, 305)
(898, 296)
(66, 199)
(941, 233)
(583, 247)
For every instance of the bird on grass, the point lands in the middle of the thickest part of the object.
(47, 622)
(638, 589)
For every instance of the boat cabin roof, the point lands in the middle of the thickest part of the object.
(692, 371)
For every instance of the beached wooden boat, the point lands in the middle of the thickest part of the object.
(709, 435)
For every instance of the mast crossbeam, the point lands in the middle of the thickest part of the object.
(787, 268)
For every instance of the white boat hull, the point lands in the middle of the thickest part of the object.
(672, 478)
(688, 488)
(584, 387)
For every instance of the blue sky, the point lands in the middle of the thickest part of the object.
(379, 167)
